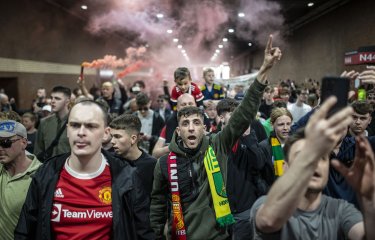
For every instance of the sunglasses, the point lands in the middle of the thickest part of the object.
(160, 100)
(7, 143)
(143, 109)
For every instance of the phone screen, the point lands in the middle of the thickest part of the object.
(335, 86)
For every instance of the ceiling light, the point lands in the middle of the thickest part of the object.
(217, 50)
(231, 30)
(250, 44)
(179, 46)
(220, 46)
(84, 7)
(183, 51)
(175, 39)
(169, 31)
(310, 4)
(225, 39)
(159, 15)
(241, 14)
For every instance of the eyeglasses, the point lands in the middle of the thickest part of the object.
(7, 143)
(143, 109)
(160, 100)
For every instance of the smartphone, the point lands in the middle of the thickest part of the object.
(335, 86)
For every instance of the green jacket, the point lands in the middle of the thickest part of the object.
(199, 215)
(13, 192)
(47, 131)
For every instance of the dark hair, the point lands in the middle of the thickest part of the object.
(75, 91)
(92, 102)
(181, 73)
(64, 90)
(279, 104)
(142, 99)
(127, 122)
(226, 105)
(298, 91)
(269, 89)
(140, 83)
(103, 103)
(188, 111)
(292, 139)
(362, 107)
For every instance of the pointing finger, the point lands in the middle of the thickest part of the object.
(269, 44)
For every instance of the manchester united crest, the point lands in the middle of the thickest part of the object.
(105, 195)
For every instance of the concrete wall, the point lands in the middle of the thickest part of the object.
(41, 32)
(318, 48)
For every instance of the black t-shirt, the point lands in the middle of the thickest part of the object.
(265, 110)
(31, 142)
(145, 165)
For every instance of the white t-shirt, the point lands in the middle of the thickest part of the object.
(297, 111)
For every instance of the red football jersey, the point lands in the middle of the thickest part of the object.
(193, 90)
(82, 204)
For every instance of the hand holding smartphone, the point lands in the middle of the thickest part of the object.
(338, 87)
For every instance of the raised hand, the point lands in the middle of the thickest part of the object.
(271, 54)
(351, 75)
(361, 174)
(368, 76)
(323, 134)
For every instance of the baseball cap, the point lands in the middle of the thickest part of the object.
(9, 128)
(47, 108)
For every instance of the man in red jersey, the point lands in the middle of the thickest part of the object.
(85, 194)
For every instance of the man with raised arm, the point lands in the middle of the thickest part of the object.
(192, 177)
(295, 207)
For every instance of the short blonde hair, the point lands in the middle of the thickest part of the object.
(278, 112)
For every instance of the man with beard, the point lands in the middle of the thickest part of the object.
(192, 177)
(49, 127)
(281, 120)
(295, 207)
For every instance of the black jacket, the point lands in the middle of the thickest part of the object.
(129, 202)
(247, 169)
(157, 125)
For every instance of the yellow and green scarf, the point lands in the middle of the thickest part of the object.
(223, 214)
(277, 156)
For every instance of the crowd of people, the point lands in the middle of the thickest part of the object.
(109, 163)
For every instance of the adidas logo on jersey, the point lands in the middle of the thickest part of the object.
(59, 193)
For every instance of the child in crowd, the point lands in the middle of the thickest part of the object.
(184, 84)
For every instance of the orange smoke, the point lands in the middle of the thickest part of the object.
(131, 68)
(132, 55)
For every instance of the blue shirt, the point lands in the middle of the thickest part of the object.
(216, 92)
